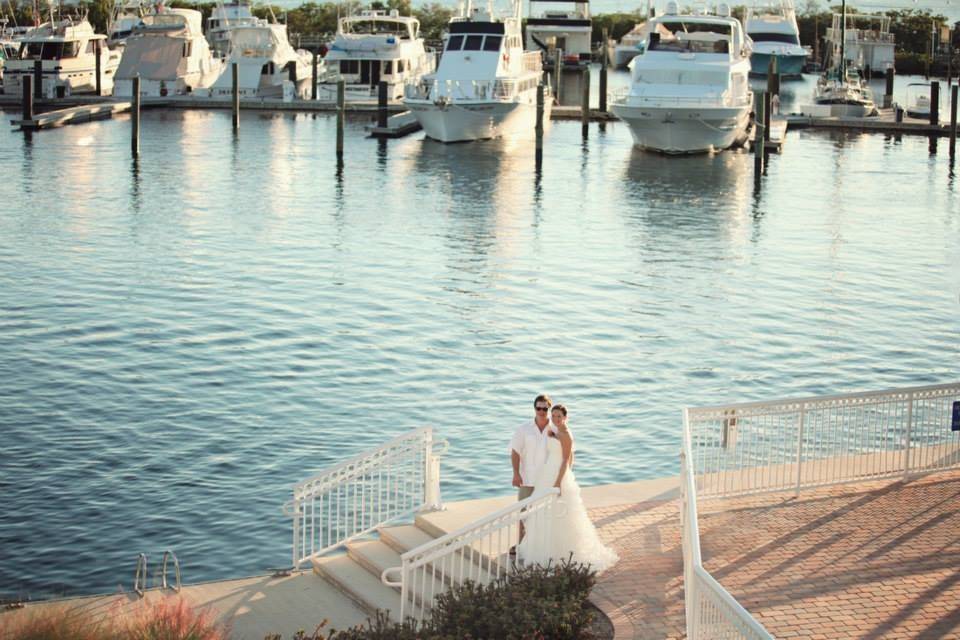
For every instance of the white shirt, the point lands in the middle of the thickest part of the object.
(531, 445)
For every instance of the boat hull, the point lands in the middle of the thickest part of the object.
(623, 55)
(850, 109)
(681, 130)
(790, 66)
(475, 120)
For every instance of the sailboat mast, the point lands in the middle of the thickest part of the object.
(843, 39)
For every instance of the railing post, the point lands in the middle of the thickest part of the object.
(296, 533)
(796, 491)
(906, 444)
(431, 475)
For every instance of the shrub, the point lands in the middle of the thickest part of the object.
(533, 603)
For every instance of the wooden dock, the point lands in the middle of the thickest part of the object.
(398, 125)
(886, 122)
(778, 135)
(72, 115)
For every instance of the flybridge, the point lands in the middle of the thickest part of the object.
(476, 27)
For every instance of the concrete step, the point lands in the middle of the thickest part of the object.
(374, 556)
(406, 537)
(358, 584)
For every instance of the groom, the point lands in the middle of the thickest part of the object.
(528, 449)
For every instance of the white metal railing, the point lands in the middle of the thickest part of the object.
(355, 497)
(479, 552)
(466, 90)
(725, 99)
(788, 445)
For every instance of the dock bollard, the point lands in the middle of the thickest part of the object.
(341, 99)
(27, 97)
(953, 119)
(382, 104)
(539, 126)
(758, 138)
(888, 95)
(38, 79)
(585, 103)
(604, 61)
(135, 119)
(97, 48)
(235, 70)
(316, 79)
(557, 71)
(934, 103)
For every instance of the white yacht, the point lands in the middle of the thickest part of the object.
(226, 17)
(266, 65)
(68, 51)
(772, 25)
(169, 53)
(866, 40)
(126, 16)
(486, 84)
(629, 46)
(560, 24)
(689, 87)
(375, 46)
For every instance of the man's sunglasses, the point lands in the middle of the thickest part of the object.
(540, 408)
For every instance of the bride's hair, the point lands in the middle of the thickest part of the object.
(559, 407)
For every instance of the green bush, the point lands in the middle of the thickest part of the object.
(532, 603)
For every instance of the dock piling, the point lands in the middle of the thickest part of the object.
(382, 104)
(759, 135)
(341, 99)
(585, 103)
(235, 70)
(38, 79)
(316, 79)
(539, 126)
(773, 77)
(934, 103)
(97, 49)
(135, 118)
(953, 119)
(558, 70)
(767, 109)
(888, 95)
(604, 61)
(27, 97)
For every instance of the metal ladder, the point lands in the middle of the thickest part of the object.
(140, 577)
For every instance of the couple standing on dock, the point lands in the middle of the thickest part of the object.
(541, 451)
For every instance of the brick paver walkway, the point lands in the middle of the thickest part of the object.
(871, 560)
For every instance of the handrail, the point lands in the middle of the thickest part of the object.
(477, 551)
(358, 495)
(140, 578)
(163, 571)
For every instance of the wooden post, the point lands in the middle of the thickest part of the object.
(758, 137)
(888, 95)
(767, 109)
(603, 74)
(38, 79)
(316, 79)
(27, 96)
(773, 76)
(135, 118)
(235, 70)
(382, 104)
(97, 48)
(934, 103)
(558, 71)
(585, 103)
(953, 119)
(867, 72)
(539, 126)
(341, 99)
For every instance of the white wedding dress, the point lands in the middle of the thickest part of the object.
(572, 530)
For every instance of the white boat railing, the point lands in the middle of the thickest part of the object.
(361, 494)
(794, 444)
(467, 90)
(479, 552)
(723, 100)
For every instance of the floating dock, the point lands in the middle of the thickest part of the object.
(72, 115)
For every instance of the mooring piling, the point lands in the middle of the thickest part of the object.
(557, 72)
(97, 49)
(759, 135)
(934, 103)
(235, 70)
(27, 98)
(585, 103)
(604, 61)
(135, 118)
(539, 126)
(38, 79)
(382, 104)
(953, 119)
(341, 100)
(888, 94)
(316, 78)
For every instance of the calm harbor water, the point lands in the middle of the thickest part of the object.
(184, 337)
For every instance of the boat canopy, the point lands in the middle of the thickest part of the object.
(153, 58)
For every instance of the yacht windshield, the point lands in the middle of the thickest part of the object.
(380, 27)
(691, 37)
(788, 38)
(49, 50)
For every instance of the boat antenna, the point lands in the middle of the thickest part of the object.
(843, 40)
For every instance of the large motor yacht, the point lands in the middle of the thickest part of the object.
(375, 46)
(266, 64)
(560, 24)
(169, 53)
(689, 89)
(226, 17)
(486, 84)
(772, 25)
(67, 49)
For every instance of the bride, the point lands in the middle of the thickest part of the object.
(572, 531)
